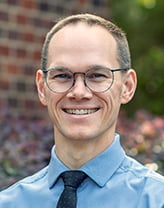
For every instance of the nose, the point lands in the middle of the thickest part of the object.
(79, 90)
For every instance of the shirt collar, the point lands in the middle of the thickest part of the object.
(99, 169)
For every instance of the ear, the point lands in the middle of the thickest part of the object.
(40, 83)
(129, 86)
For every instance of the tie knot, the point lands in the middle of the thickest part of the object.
(73, 178)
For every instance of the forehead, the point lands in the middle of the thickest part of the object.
(82, 39)
(82, 30)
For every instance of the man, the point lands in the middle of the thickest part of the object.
(85, 76)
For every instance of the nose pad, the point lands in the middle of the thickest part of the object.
(79, 81)
(77, 76)
(79, 89)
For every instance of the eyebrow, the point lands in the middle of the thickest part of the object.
(97, 67)
(59, 68)
(92, 67)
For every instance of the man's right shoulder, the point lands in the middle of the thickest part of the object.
(34, 179)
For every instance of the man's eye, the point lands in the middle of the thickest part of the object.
(97, 76)
(61, 76)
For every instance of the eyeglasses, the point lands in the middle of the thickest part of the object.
(97, 79)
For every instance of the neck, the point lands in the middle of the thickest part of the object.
(75, 153)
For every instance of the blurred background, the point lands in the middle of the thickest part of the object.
(26, 134)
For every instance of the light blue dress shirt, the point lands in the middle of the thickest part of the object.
(114, 181)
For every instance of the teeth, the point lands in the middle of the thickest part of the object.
(81, 111)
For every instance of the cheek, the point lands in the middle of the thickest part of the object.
(113, 98)
(53, 103)
(114, 94)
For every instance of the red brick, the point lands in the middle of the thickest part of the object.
(40, 39)
(4, 50)
(28, 70)
(28, 104)
(4, 84)
(21, 19)
(12, 68)
(28, 37)
(37, 55)
(82, 1)
(28, 4)
(21, 53)
(36, 21)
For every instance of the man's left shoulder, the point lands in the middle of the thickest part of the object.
(155, 178)
(142, 172)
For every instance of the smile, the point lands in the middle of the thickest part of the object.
(80, 111)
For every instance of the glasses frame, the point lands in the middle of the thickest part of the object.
(45, 71)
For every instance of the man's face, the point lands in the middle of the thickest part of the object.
(79, 47)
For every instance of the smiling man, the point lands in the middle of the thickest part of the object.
(86, 76)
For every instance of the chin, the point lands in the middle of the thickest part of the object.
(80, 136)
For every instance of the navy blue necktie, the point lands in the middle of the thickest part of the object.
(72, 179)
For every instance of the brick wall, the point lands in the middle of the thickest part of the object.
(23, 25)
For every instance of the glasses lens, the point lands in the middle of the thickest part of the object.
(59, 80)
(99, 80)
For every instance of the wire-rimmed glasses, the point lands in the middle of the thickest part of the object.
(97, 79)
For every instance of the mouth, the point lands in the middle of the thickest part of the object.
(81, 111)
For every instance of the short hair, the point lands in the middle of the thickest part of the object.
(123, 53)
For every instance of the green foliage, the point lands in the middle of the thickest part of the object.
(142, 20)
